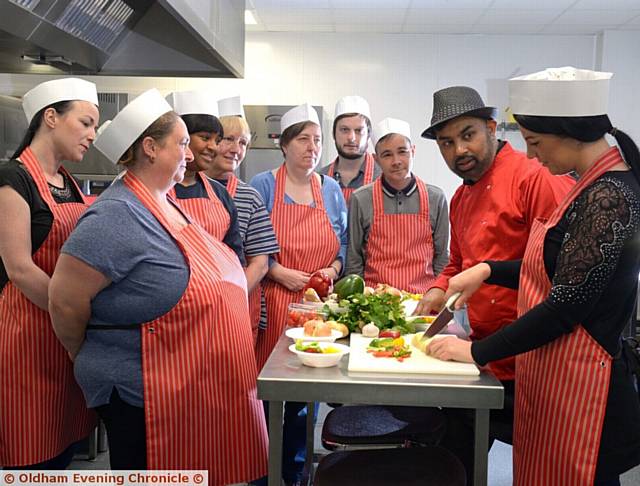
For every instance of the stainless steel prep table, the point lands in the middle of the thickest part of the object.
(284, 378)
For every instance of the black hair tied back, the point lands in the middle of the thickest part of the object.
(585, 129)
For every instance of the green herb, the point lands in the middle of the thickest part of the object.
(384, 310)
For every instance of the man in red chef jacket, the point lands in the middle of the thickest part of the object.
(491, 214)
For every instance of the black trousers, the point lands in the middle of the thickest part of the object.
(126, 433)
(459, 437)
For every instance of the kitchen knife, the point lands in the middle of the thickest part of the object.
(443, 318)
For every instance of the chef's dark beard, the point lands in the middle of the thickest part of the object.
(350, 156)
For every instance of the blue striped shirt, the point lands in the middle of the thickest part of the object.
(253, 221)
(255, 228)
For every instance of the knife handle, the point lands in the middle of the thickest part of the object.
(452, 300)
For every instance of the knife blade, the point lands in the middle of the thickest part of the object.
(443, 318)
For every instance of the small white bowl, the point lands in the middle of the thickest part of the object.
(317, 360)
(298, 333)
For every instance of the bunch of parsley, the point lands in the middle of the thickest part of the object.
(384, 310)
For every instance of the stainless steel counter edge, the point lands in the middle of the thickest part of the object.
(285, 378)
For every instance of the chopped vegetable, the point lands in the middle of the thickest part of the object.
(389, 348)
(314, 347)
(390, 333)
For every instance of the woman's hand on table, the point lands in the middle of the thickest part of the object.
(467, 283)
(450, 348)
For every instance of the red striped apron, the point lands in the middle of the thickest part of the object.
(199, 369)
(369, 165)
(43, 409)
(209, 213)
(400, 246)
(562, 387)
(255, 296)
(307, 243)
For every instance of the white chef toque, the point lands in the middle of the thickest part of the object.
(390, 125)
(115, 136)
(300, 113)
(352, 104)
(564, 91)
(231, 107)
(50, 92)
(193, 103)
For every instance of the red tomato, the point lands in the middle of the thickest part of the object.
(389, 333)
(321, 283)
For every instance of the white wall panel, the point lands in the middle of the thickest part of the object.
(621, 56)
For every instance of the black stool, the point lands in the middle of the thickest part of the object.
(381, 427)
(431, 466)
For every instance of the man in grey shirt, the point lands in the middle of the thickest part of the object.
(397, 246)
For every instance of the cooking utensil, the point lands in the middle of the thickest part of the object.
(443, 318)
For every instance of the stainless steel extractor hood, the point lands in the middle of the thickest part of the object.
(123, 37)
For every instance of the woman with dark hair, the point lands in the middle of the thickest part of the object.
(205, 199)
(42, 411)
(309, 217)
(577, 414)
(154, 311)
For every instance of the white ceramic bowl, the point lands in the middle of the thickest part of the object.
(317, 360)
(298, 333)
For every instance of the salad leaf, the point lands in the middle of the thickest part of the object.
(384, 310)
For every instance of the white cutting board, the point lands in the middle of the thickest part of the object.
(419, 362)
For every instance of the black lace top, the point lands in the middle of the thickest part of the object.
(593, 259)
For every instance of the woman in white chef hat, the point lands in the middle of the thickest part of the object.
(577, 415)
(154, 311)
(42, 411)
(309, 217)
(203, 198)
(257, 234)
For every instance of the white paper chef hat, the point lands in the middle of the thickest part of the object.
(231, 107)
(352, 104)
(49, 92)
(193, 103)
(300, 113)
(390, 125)
(115, 136)
(564, 91)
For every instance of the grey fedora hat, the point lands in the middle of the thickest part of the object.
(455, 101)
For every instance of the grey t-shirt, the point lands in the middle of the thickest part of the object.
(357, 181)
(396, 202)
(121, 239)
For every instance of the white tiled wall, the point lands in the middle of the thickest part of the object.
(398, 74)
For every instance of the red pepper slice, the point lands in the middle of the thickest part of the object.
(389, 333)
